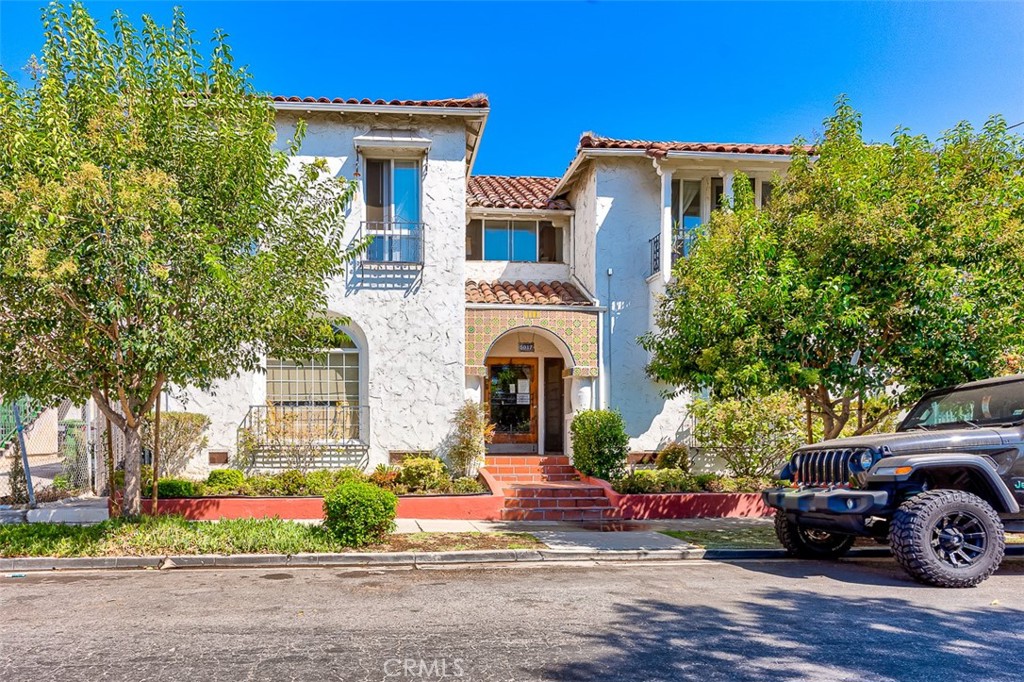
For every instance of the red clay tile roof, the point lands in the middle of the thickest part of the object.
(591, 141)
(511, 191)
(474, 102)
(529, 293)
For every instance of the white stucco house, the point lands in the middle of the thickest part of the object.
(526, 294)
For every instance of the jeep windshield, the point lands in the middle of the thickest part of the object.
(970, 406)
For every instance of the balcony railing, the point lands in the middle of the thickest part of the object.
(392, 242)
(303, 436)
(681, 247)
(655, 243)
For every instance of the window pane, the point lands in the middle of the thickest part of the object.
(474, 240)
(329, 381)
(766, 193)
(496, 241)
(407, 192)
(550, 243)
(376, 190)
(689, 216)
(717, 190)
(524, 240)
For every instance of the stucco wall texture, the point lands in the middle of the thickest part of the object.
(408, 323)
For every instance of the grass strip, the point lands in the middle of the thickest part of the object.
(174, 535)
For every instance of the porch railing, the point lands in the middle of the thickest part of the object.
(303, 436)
(392, 242)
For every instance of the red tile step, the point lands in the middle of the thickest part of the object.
(556, 501)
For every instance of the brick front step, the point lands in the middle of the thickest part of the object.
(557, 502)
(553, 490)
(578, 514)
(525, 460)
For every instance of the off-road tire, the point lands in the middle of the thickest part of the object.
(917, 545)
(807, 543)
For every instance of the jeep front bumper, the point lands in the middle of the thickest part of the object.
(827, 500)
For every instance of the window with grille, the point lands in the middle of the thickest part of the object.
(328, 380)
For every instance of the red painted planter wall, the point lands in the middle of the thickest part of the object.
(476, 507)
(685, 505)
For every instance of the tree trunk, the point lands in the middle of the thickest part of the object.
(156, 458)
(132, 505)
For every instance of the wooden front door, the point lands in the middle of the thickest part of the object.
(554, 410)
(511, 399)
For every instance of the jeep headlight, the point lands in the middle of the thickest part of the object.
(862, 460)
(865, 459)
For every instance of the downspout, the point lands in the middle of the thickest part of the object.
(606, 374)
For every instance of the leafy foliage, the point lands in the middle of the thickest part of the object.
(646, 481)
(151, 231)
(182, 437)
(177, 487)
(468, 442)
(422, 473)
(877, 270)
(600, 444)
(360, 513)
(673, 456)
(752, 435)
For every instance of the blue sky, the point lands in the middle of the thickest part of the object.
(760, 72)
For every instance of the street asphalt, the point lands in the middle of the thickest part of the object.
(770, 620)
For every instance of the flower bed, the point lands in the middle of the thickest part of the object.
(219, 498)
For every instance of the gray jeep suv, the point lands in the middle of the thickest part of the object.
(940, 490)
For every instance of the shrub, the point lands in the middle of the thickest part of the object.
(291, 482)
(600, 445)
(262, 484)
(673, 456)
(468, 442)
(753, 436)
(61, 482)
(222, 481)
(467, 486)
(177, 487)
(703, 481)
(422, 473)
(319, 482)
(385, 476)
(182, 437)
(637, 483)
(349, 474)
(359, 513)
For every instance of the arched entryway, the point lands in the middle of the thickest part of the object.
(526, 390)
(531, 369)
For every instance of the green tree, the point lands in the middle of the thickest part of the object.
(878, 270)
(150, 230)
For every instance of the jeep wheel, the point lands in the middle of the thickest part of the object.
(947, 538)
(810, 543)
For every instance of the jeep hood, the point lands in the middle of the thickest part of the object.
(906, 442)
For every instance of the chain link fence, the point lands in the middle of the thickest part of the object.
(60, 448)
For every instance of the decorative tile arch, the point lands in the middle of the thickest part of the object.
(575, 328)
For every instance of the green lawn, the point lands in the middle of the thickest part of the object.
(169, 535)
(762, 537)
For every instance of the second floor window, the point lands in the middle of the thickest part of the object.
(393, 210)
(514, 240)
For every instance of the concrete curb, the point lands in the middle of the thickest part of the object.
(415, 559)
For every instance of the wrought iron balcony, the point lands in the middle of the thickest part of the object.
(392, 242)
(303, 436)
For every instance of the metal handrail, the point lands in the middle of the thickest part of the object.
(392, 241)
